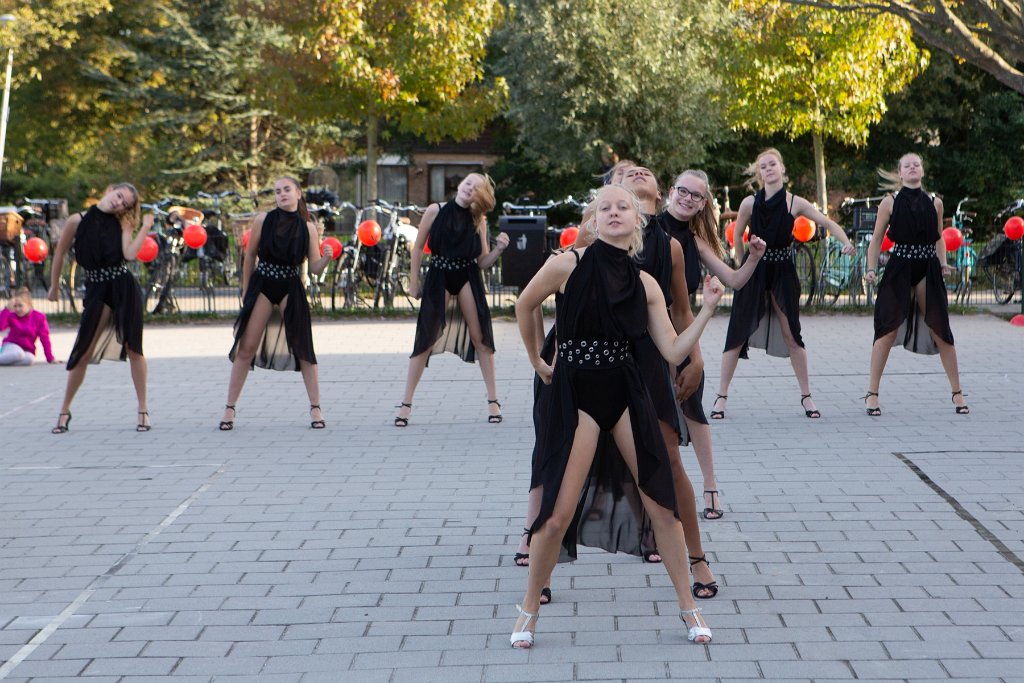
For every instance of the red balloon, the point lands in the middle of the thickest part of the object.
(245, 238)
(568, 237)
(426, 248)
(36, 250)
(887, 243)
(335, 247)
(728, 233)
(1014, 228)
(803, 229)
(368, 233)
(953, 238)
(149, 249)
(195, 235)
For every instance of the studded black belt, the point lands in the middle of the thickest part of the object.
(599, 353)
(276, 271)
(914, 251)
(106, 274)
(775, 255)
(446, 263)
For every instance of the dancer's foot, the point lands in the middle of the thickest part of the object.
(494, 410)
(960, 403)
(711, 511)
(316, 417)
(522, 556)
(404, 411)
(704, 585)
(143, 424)
(871, 404)
(227, 421)
(698, 630)
(810, 410)
(526, 626)
(63, 423)
(718, 413)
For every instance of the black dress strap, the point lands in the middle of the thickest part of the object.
(792, 198)
(576, 254)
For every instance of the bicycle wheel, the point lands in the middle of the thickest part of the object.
(5, 278)
(856, 283)
(1003, 277)
(803, 259)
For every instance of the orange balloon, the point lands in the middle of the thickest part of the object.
(728, 233)
(1014, 228)
(887, 243)
(803, 229)
(368, 233)
(426, 248)
(568, 236)
(195, 235)
(245, 238)
(149, 249)
(335, 247)
(35, 250)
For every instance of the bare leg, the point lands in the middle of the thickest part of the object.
(730, 359)
(685, 503)
(879, 356)
(417, 364)
(666, 527)
(532, 509)
(484, 353)
(700, 439)
(544, 546)
(140, 372)
(311, 378)
(77, 375)
(947, 353)
(246, 351)
(797, 358)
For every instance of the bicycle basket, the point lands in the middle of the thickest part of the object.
(10, 226)
(187, 215)
(998, 251)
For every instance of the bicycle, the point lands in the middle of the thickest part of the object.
(217, 238)
(841, 272)
(164, 270)
(1002, 258)
(964, 260)
(348, 273)
(397, 236)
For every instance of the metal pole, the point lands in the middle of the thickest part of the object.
(5, 110)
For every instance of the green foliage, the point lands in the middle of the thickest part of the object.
(42, 26)
(633, 76)
(797, 71)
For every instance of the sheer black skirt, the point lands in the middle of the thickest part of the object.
(896, 305)
(753, 321)
(288, 336)
(440, 328)
(122, 334)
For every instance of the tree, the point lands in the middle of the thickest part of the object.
(632, 75)
(798, 70)
(988, 34)
(40, 26)
(417, 66)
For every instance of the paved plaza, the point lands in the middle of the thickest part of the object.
(851, 547)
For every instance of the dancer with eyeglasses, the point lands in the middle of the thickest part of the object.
(607, 304)
(690, 217)
(911, 307)
(766, 310)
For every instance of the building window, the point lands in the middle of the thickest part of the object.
(445, 179)
(393, 184)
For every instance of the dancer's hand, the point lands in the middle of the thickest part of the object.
(870, 276)
(848, 248)
(53, 294)
(947, 270)
(689, 380)
(713, 290)
(544, 371)
(414, 288)
(501, 241)
(147, 222)
(756, 247)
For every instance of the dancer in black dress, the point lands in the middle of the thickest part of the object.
(766, 311)
(273, 329)
(910, 305)
(607, 304)
(691, 218)
(453, 314)
(111, 325)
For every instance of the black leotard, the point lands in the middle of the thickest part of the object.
(288, 337)
(914, 227)
(753, 320)
(108, 282)
(602, 313)
(454, 245)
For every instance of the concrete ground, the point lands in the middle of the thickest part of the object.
(851, 548)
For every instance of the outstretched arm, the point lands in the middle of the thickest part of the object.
(548, 280)
(674, 348)
(802, 207)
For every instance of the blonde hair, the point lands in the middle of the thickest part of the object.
(704, 223)
(636, 242)
(620, 165)
(132, 213)
(25, 294)
(753, 173)
(891, 178)
(483, 196)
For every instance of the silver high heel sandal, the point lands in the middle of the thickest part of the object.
(700, 627)
(525, 636)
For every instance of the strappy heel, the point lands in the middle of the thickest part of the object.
(519, 557)
(712, 512)
(719, 414)
(494, 419)
(142, 426)
(62, 427)
(316, 424)
(960, 410)
(228, 425)
(524, 636)
(698, 586)
(699, 629)
(402, 421)
(873, 412)
(813, 414)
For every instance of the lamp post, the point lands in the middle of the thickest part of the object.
(5, 108)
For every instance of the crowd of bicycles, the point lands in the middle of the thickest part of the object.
(374, 273)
